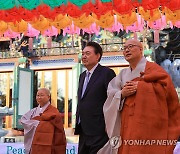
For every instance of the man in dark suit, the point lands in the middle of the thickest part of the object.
(92, 93)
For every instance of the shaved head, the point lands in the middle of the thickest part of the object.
(45, 90)
(134, 42)
(133, 52)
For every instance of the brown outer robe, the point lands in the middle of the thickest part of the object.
(49, 137)
(153, 113)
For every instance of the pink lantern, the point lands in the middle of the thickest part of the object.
(158, 24)
(177, 24)
(52, 31)
(11, 34)
(71, 30)
(31, 32)
(137, 26)
(93, 29)
(116, 26)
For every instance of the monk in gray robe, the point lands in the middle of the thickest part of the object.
(43, 127)
(142, 111)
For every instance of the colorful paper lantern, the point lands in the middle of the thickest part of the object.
(31, 32)
(3, 27)
(11, 34)
(116, 27)
(54, 3)
(173, 5)
(79, 2)
(7, 4)
(105, 21)
(123, 6)
(93, 29)
(51, 31)
(150, 4)
(83, 21)
(61, 22)
(71, 30)
(73, 11)
(150, 15)
(29, 4)
(127, 19)
(158, 24)
(19, 27)
(100, 8)
(41, 24)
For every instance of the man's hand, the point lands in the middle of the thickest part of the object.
(24, 43)
(129, 88)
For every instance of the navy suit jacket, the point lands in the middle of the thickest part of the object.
(90, 106)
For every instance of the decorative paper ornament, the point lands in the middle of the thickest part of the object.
(158, 24)
(83, 21)
(93, 29)
(19, 27)
(71, 30)
(177, 24)
(3, 27)
(46, 11)
(60, 9)
(14, 13)
(7, 17)
(137, 26)
(164, 2)
(51, 31)
(173, 5)
(28, 15)
(172, 16)
(11, 34)
(123, 6)
(31, 32)
(150, 4)
(116, 27)
(100, 8)
(54, 3)
(79, 2)
(150, 15)
(105, 1)
(136, 3)
(6, 4)
(29, 4)
(127, 19)
(41, 24)
(105, 21)
(61, 22)
(73, 11)
(87, 8)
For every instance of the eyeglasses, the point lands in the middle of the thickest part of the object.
(129, 47)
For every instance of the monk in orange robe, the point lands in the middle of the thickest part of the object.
(43, 127)
(142, 111)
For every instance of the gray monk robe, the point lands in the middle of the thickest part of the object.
(113, 106)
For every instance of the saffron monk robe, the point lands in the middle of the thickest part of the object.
(43, 127)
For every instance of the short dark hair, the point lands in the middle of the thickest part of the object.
(97, 48)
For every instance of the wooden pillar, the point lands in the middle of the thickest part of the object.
(66, 100)
(54, 89)
(8, 118)
(42, 79)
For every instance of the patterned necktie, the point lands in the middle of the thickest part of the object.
(86, 80)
